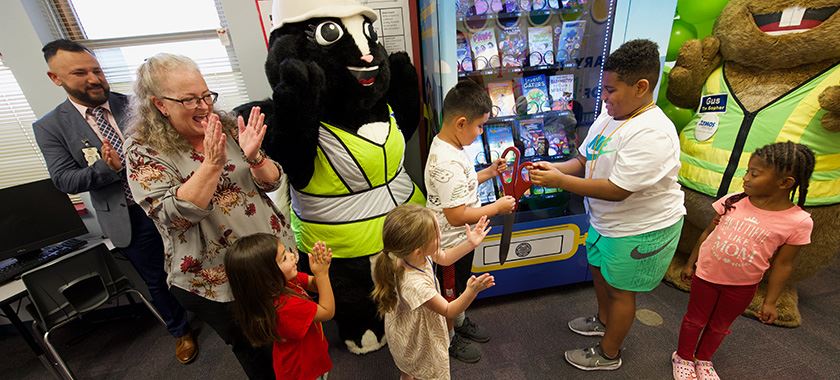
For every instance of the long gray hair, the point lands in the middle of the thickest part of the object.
(146, 123)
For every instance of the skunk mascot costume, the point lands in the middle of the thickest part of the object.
(339, 117)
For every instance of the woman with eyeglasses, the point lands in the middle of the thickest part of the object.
(202, 178)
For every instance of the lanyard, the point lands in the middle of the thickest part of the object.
(600, 146)
(434, 278)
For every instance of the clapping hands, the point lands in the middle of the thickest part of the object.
(320, 259)
(214, 142)
(477, 234)
(110, 156)
(252, 134)
(484, 281)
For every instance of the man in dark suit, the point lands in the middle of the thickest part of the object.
(81, 140)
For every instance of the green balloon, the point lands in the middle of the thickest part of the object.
(696, 11)
(680, 33)
(705, 28)
(679, 116)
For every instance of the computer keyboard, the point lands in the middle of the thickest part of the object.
(13, 268)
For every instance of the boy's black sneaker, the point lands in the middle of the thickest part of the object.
(464, 350)
(471, 331)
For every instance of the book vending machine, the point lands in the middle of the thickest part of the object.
(541, 63)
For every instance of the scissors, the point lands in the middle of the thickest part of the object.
(515, 182)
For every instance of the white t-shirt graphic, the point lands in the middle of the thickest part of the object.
(451, 181)
(641, 156)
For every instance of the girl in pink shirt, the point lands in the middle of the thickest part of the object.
(735, 250)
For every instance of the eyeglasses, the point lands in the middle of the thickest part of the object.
(192, 102)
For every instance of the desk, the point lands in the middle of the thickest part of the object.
(15, 291)
(11, 292)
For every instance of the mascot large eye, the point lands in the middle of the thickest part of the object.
(369, 31)
(328, 32)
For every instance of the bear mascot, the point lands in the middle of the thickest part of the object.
(770, 73)
(341, 112)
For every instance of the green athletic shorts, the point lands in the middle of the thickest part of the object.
(634, 263)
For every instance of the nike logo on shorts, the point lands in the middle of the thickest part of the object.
(639, 255)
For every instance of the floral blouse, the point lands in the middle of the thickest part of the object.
(195, 240)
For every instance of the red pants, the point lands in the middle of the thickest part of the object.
(711, 310)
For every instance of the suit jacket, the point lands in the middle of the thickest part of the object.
(61, 134)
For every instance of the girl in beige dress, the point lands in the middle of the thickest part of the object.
(408, 294)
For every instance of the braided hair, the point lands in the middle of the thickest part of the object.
(787, 158)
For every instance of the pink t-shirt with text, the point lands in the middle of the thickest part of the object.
(739, 249)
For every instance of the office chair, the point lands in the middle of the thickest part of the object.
(67, 288)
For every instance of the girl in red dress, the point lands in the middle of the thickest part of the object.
(272, 304)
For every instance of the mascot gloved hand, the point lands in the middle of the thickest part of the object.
(340, 114)
(775, 65)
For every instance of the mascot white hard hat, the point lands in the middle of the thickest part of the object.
(290, 11)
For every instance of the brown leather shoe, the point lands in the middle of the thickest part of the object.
(185, 349)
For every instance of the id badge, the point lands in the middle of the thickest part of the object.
(91, 155)
(706, 127)
(713, 103)
(711, 106)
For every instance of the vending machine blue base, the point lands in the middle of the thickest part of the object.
(544, 252)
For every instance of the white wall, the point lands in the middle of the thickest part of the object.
(249, 44)
(20, 44)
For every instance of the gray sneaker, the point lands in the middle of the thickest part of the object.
(592, 359)
(462, 349)
(589, 326)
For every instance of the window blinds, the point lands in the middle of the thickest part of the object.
(21, 160)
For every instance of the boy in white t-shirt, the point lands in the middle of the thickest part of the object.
(452, 187)
(629, 163)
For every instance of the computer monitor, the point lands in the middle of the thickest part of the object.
(35, 215)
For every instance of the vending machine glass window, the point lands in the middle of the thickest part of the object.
(540, 62)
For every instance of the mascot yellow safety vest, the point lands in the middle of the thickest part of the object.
(715, 165)
(355, 183)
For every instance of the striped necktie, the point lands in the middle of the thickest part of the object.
(108, 132)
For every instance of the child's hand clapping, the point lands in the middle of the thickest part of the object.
(477, 234)
(320, 258)
(477, 284)
(544, 174)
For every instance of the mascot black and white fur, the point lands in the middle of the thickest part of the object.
(326, 67)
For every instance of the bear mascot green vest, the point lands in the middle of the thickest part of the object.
(770, 73)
